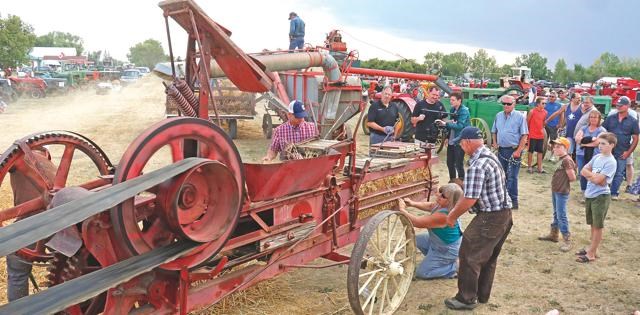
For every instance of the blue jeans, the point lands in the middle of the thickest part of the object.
(581, 163)
(621, 169)
(296, 43)
(377, 138)
(17, 277)
(439, 258)
(511, 171)
(560, 219)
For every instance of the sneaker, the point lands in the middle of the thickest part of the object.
(454, 304)
(615, 197)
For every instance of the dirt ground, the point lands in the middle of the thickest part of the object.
(533, 277)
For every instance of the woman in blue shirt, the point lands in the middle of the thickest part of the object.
(440, 246)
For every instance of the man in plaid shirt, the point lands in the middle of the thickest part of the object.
(485, 193)
(294, 130)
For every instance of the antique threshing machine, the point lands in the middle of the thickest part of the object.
(181, 222)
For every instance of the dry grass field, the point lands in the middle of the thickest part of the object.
(533, 277)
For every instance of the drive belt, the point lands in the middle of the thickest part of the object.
(28, 231)
(59, 297)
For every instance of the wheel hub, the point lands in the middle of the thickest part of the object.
(395, 268)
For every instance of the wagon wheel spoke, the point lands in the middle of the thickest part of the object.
(65, 165)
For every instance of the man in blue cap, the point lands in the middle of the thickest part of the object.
(293, 131)
(485, 194)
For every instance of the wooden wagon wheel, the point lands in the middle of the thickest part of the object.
(365, 129)
(443, 135)
(382, 264)
(484, 128)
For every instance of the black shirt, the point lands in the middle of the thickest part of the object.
(426, 130)
(382, 115)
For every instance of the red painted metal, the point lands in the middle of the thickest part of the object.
(393, 74)
(272, 181)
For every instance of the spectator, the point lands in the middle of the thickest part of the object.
(571, 114)
(460, 118)
(551, 125)
(535, 123)
(293, 131)
(562, 97)
(629, 170)
(485, 193)
(599, 173)
(560, 188)
(587, 107)
(587, 145)
(509, 132)
(424, 115)
(296, 31)
(382, 117)
(626, 131)
(441, 244)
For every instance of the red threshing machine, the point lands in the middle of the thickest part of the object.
(181, 222)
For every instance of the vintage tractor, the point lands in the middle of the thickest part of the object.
(181, 221)
(520, 80)
(33, 87)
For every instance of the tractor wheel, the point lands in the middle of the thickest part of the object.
(382, 264)
(365, 129)
(267, 126)
(484, 128)
(36, 93)
(233, 128)
(521, 95)
(407, 129)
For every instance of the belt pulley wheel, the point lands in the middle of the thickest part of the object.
(177, 209)
(37, 178)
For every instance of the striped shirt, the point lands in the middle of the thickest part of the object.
(486, 182)
(286, 134)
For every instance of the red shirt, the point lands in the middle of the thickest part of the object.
(286, 134)
(536, 124)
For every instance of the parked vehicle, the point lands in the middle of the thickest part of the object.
(56, 85)
(34, 87)
(130, 76)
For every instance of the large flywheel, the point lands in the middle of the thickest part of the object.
(201, 205)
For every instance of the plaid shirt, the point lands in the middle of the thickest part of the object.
(287, 133)
(485, 181)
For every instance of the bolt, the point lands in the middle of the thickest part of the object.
(290, 236)
(267, 245)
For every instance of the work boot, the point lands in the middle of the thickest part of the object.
(553, 235)
(566, 243)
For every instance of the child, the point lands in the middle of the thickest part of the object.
(599, 173)
(560, 188)
(535, 121)
(441, 245)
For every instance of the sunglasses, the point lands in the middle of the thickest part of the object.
(441, 195)
(507, 104)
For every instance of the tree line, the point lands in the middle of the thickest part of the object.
(17, 38)
(483, 66)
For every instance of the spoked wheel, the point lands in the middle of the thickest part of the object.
(484, 128)
(382, 264)
(442, 139)
(267, 125)
(202, 205)
(365, 128)
(40, 165)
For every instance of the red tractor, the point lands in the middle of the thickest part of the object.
(34, 87)
(624, 87)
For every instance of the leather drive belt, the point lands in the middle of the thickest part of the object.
(28, 231)
(59, 297)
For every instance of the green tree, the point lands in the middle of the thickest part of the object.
(579, 73)
(94, 56)
(537, 63)
(433, 62)
(483, 64)
(16, 39)
(61, 39)
(455, 64)
(561, 73)
(607, 64)
(147, 53)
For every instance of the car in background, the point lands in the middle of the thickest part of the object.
(58, 85)
(130, 76)
(143, 70)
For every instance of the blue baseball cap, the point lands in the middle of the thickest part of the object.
(297, 109)
(624, 101)
(469, 132)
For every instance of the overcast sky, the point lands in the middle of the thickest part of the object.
(576, 30)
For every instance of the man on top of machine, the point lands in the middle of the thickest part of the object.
(294, 130)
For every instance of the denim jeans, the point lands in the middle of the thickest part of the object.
(17, 277)
(560, 219)
(511, 171)
(621, 169)
(439, 258)
(296, 43)
(455, 158)
(581, 163)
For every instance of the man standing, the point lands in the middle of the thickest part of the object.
(510, 134)
(551, 125)
(572, 114)
(381, 118)
(625, 128)
(294, 130)
(296, 31)
(459, 120)
(562, 97)
(425, 114)
(485, 193)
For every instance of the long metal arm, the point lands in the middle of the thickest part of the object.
(403, 75)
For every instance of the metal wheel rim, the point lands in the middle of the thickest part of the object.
(378, 280)
(484, 128)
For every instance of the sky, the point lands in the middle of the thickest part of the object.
(576, 30)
